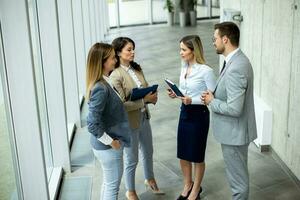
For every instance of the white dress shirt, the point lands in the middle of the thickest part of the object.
(229, 56)
(200, 79)
(130, 71)
(138, 83)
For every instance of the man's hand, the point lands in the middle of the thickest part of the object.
(115, 144)
(207, 97)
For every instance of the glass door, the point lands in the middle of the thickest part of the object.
(208, 8)
(158, 12)
(215, 8)
(133, 12)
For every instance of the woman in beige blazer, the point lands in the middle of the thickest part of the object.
(128, 75)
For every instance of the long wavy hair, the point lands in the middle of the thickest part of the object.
(193, 42)
(118, 44)
(97, 56)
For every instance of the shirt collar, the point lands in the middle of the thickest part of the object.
(107, 79)
(125, 68)
(229, 56)
(185, 64)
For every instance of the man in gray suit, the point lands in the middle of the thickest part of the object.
(232, 106)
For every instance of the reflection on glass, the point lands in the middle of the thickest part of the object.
(134, 12)
(8, 188)
(39, 76)
(158, 11)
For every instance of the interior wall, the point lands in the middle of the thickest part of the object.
(270, 38)
(293, 140)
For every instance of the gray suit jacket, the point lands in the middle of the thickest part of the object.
(107, 114)
(233, 117)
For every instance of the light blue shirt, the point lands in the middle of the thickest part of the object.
(200, 79)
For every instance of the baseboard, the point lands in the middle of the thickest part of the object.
(264, 148)
(285, 167)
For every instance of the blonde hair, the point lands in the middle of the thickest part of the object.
(98, 55)
(194, 43)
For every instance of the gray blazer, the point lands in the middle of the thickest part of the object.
(233, 117)
(106, 113)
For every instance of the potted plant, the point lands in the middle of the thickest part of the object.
(182, 13)
(193, 12)
(185, 6)
(170, 7)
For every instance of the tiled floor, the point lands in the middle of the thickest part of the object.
(157, 50)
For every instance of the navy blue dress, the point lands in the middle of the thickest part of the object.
(192, 133)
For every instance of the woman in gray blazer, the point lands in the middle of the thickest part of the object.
(107, 119)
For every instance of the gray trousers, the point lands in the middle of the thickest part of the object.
(235, 158)
(141, 139)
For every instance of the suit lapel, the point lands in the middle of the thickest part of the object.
(227, 66)
(128, 78)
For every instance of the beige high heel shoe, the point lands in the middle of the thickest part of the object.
(130, 198)
(153, 188)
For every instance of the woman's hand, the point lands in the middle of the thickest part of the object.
(186, 100)
(171, 93)
(115, 144)
(151, 98)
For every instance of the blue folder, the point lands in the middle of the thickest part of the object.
(174, 88)
(138, 93)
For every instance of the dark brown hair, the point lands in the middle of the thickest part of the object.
(231, 30)
(118, 44)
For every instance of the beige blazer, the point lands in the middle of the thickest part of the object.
(124, 84)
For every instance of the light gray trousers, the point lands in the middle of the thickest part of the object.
(235, 158)
(141, 139)
(111, 161)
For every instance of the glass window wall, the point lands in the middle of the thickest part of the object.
(208, 8)
(133, 12)
(112, 13)
(8, 185)
(158, 12)
(39, 76)
(215, 8)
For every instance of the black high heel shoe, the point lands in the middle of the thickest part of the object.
(181, 197)
(198, 196)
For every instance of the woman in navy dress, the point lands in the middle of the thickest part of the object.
(195, 78)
